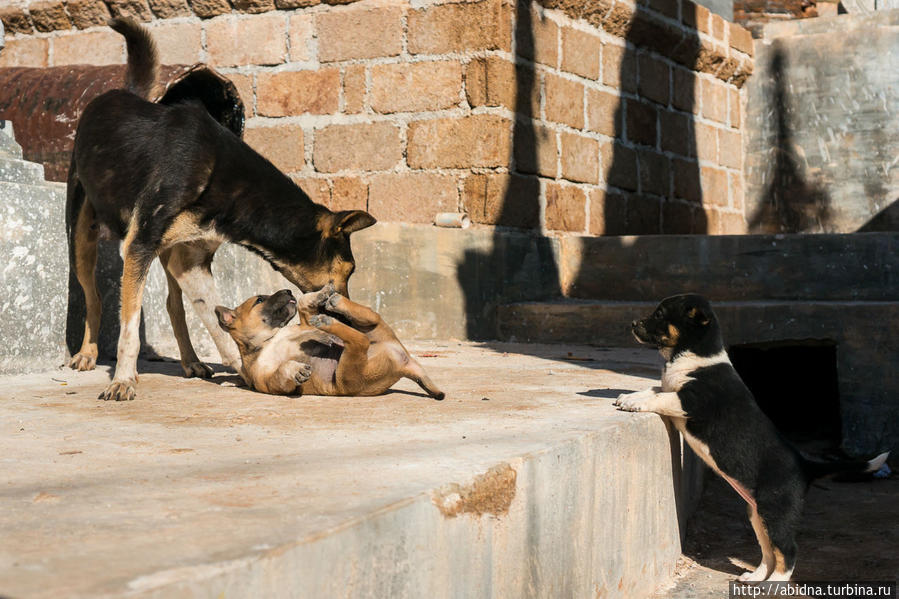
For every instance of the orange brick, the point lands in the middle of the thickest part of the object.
(490, 81)
(133, 9)
(228, 40)
(482, 140)
(706, 142)
(714, 100)
(282, 145)
(502, 199)
(25, 52)
(602, 111)
(16, 20)
(87, 13)
(348, 193)
(735, 184)
(619, 165)
(49, 16)
(608, 212)
(730, 148)
(581, 53)
(619, 68)
(359, 33)
(354, 89)
(365, 146)
(719, 27)
(740, 39)
(580, 158)
(103, 47)
(714, 186)
(564, 101)
(686, 181)
(316, 188)
(253, 6)
(536, 150)
(734, 106)
(695, 16)
(443, 28)
(290, 93)
(687, 90)
(210, 8)
(244, 85)
(300, 37)
(566, 207)
(167, 9)
(415, 87)
(539, 42)
(412, 197)
(177, 43)
(644, 215)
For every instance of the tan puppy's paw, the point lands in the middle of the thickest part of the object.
(118, 391)
(81, 361)
(321, 320)
(303, 372)
(196, 369)
(634, 402)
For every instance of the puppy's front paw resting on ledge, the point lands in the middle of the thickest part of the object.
(635, 402)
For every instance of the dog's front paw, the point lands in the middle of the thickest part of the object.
(321, 320)
(304, 371)
(317, 299)
(118, 391)
(333, 301)
(196, 369)
(633, 402)
(82, 361)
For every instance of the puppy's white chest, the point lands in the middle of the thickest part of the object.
(678, 372)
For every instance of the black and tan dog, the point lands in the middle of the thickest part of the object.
(720, 420)
(366, 358)
(173, 183)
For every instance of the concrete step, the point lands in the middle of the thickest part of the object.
(14, 170)
(853, 267)
(523, 482)
(8, 145)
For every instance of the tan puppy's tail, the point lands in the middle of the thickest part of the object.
(143, 60)
(415, 372)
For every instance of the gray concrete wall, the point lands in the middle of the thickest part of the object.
(822, 135)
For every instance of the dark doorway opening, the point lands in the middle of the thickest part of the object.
(795, 383)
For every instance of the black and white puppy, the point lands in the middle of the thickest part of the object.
(718, 417)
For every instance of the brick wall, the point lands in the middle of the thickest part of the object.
(599, 117)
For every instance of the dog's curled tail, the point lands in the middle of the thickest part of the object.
(143, 60)
(816, 470)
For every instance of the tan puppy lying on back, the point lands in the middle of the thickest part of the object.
(349, 350)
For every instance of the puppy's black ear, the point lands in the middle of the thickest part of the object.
(698, 316)
(226, 317)
(350, 221)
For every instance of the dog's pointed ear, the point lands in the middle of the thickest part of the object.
(226, 317)
(699, 316)
(350, 221)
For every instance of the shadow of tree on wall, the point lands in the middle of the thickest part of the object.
(790, 203)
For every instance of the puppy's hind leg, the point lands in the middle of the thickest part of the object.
(349, 378)
(415, 372)
(190, 363)
(83, 239)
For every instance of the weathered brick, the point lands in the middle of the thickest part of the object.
(686, 180)
(442, 28)
(348, 193)
(619, 68)
(619, 166)
(527, 91)
(138, 10)
(641, 123)
(608, 212)
(167, 9)
(740, 39)
(49, 16)
(580, 158)
(643, 215)
(292, 4)
(676, 133)
(364, 146)
(719, 28)
(733, 104)
(301, 31)
(412, 197)
(536, 149)
(714, 100)
(502, 199)
(87, 13)
(104, 47)
(244, 85)
(482, 140)
(540, 41)
(679, 218)
(655, 175)
(714, 186)
(354, 89)
(618, 21)
(735, 185)
(490, 81)
(210, 8)
(695, 16)
(282, 145)
(564, 101)
(706, 142)
(25, 52)
(730, 148)
(726, 223)
(687, 89)
(316, 188)
(359, 33)
(603, 112)
(227, 40)
(566, 207)
(177, 43)
(669, 8)
(253, 6)
(581, 53)
(15, 20)
(290, 93)
(416, 86)
(654, 79)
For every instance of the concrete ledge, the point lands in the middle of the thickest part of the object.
(202, 490)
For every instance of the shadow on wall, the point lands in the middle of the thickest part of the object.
(791, 203)
(641, 180)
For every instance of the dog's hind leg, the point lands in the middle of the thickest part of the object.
(83, 238)
(190, 363)
(766, 567)
(190, 264)
(782, 528)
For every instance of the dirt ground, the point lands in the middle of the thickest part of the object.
(850, 532)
